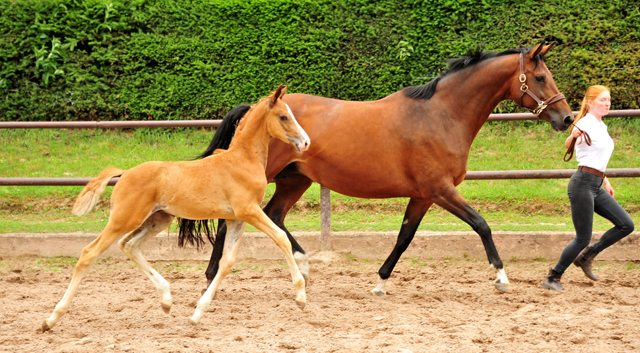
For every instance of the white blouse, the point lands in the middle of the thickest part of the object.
(598, 154)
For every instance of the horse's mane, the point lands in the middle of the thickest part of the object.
(474, 57)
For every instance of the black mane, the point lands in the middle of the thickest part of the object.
(474, 57)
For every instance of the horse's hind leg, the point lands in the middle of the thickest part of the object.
(88, 256)
(412, 218)
(131, 244)
(235, 229)
(453, 202)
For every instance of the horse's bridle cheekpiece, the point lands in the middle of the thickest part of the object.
(525, 89)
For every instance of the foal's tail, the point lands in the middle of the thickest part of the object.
(90, 195)
(190, 230)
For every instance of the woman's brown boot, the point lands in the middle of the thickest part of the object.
(585, 262)
(553, 281)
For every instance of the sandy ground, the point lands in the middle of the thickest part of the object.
(432, 306)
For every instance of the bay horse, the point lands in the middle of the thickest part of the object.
(413, 143)
(230, 185)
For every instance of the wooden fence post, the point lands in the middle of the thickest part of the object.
(325, 219)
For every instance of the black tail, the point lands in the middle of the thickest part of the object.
(190, 230)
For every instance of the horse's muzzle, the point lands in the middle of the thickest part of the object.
(301, 144)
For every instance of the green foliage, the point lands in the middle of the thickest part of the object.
(186, 59)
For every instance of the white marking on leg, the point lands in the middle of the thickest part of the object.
(501, 282)
(502, 276)
(235, 229)
(303, 264)
(131, 245)
(380, 290)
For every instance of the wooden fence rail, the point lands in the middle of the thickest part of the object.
(325, 196)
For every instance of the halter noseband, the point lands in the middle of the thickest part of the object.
(525, 89)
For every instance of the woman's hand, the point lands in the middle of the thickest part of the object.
(607, 186)
(576, 133)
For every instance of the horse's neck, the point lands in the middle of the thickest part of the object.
(479, 89)
(252, 141)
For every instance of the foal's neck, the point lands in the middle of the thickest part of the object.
(252, 138)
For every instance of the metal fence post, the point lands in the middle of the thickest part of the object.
(325, 219)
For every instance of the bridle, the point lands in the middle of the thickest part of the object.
(542, 105)
(525, 89)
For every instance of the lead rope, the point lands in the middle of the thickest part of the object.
(569, 152)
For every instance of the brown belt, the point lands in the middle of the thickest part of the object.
(592, 171)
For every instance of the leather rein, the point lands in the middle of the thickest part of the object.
(569, 152)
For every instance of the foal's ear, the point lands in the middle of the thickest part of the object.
(278, 94)
(284, 90)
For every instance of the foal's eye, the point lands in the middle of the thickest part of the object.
(540, 78)
(283, 118)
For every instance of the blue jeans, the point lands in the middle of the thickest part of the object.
(587, 196)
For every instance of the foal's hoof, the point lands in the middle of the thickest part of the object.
(45, 327)
(503, 287)
(192, 321)
(166, 308)
(301, 305)
(378, 292)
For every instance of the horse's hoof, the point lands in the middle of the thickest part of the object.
(301, 305)
(192, 321)
(378, 292)
(166, 308)
(503, 287)
(45, 327)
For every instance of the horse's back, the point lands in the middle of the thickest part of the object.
(362, 149)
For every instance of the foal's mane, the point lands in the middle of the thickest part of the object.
(251, 110)
(474, 57)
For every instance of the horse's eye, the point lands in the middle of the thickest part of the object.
(283, 118)
(540, 78)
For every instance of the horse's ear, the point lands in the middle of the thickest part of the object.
(537, 51)
(277, 94)
(545, 49)
(284, 90)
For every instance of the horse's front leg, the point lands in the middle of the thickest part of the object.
(235, 229)
(412, 217)
(453, 202)
(290, 187)
(258, 219)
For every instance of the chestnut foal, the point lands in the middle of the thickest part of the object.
(228, 185)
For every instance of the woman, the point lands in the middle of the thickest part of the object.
(586, 191)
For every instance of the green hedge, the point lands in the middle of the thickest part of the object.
(182, 59)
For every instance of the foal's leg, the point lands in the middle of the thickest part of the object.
(235, 229)
(88, 256)
(258, 219)
(131, 244)
(453, 202)
(412, 218)
(289, 189)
